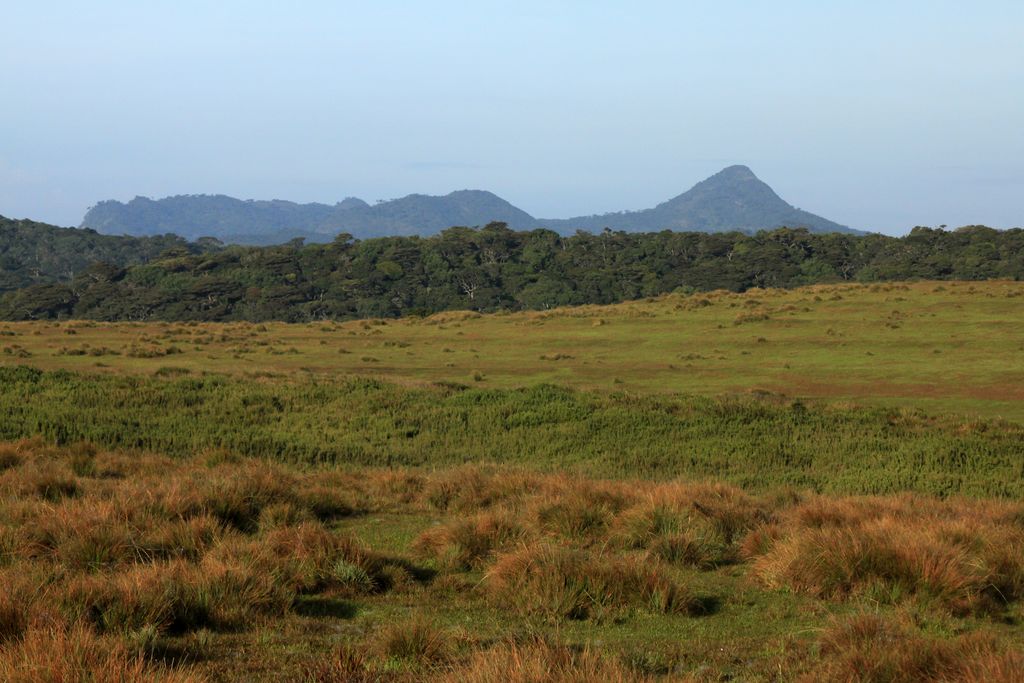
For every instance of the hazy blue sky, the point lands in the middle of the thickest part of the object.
(879, 115)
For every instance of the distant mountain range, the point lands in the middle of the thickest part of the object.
(732, 199)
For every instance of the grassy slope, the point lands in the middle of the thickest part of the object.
(949, 347)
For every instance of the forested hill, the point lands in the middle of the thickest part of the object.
(226, 218)
(732, 199)
(239, 221)
(495, 268)
(33, 253)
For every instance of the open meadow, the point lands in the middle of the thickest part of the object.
(939, 346)
(823, 483)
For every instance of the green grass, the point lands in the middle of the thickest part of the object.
(756, 443)
(943, 347)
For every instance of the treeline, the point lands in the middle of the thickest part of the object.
(494, 268)
(36, 253)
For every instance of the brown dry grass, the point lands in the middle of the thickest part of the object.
(559, 582)
(542, 661)
(869, 649)
(471, 542)
(128, 551)
(968, 556)
(61, 653)
(100, 550)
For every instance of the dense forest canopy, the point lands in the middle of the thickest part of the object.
(487, 269)
(34, 253)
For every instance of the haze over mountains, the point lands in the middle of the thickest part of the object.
(732, 199)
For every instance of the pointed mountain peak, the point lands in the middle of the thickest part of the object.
(732, 199)
(730, 185)
(734, 173)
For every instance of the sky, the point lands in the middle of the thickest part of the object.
(877, 115)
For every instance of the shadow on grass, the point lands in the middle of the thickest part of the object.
(419, 573)
(175, 652)
(706, 605)
(332, 608)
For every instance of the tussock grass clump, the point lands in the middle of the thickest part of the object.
(19, 593)
(50, 653)
(8, 457)
(578, 509)
(41, 478)
(346, 665)
(120, 553)
(541, 661)
(237, 592)
(965, 557)
(469, 543)
(94, 534)
(237, 494)
(475, 487)
(728, 509)
(397, 487)
(417, 640)
(867, 648)
(575, 517)
(169, 596)
(307, 558)
(751, 317)
(151, 351)
(284, 514)
(563, 583)
(690, 524)
(236, 500)
(187, 539)
(675, 536)
(88, 535)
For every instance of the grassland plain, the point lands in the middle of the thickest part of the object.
(637, 492)
(938, 346)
